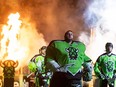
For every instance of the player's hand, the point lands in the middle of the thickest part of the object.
(61, 69)
(114, 76)
(64, 68)
(102, 76)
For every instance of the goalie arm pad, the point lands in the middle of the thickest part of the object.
(87, 71)
(52, 66)
(88, 66)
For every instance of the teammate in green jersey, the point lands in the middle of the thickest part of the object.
(105, 67)
(37, 66)
(66, 58)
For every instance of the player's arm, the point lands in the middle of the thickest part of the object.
(87, 64)
(97, 69)
(115, 66)
(87, 68)
(50, 61)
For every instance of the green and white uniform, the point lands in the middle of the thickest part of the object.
(105, 66)
(66, 61)
(64, 53)
(36, 65)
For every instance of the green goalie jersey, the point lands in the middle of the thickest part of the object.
(64, 53)
(105, 66)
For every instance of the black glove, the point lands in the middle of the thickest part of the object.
(101, 76)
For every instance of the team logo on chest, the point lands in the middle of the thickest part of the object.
(109, 66)
(72, 52)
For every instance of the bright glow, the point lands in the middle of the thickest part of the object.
(10, 46)
(100, 17)
(19, 40)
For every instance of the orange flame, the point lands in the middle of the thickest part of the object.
(10, 34)
(16, 40)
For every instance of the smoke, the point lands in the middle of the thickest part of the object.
(52, 17)
(100, 18)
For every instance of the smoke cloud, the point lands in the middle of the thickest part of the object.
(51, 17)
(100, 18)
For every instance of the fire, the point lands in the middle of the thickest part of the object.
(16, 40)
(10, 48)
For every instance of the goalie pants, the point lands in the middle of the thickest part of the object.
(61, 79)
(104, 83)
